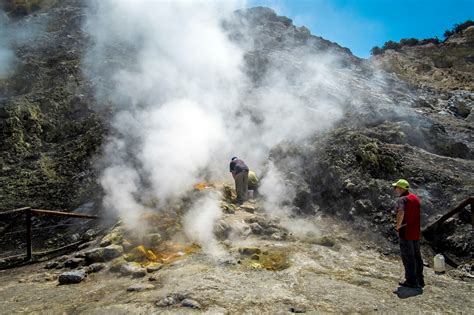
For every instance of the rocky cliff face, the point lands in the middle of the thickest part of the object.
(411, 121)
(49, 134)
(446, 66)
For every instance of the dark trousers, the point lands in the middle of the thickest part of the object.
(412, 261)
(241, 186)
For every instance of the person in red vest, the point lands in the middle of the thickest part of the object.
(408, 229)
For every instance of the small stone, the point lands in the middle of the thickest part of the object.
(138, 287)
(71, 277)
(112, 251)
(249, 251)
(248, 208)
(94, 255)
(89, 235)
(279, 236)
(96, 267)
(127, 246)
(117, 264)
(153, 278)
(256, 228)
(133, 270)
(51, 265)
(105, 242)
(153, 267)
(74, 262)
(296, 310)
(84, 245)
(222, 229)
(75, 237)
(191, 303)
(171, 299)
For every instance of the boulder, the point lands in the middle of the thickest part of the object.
(71, 277)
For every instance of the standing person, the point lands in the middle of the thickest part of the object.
(408, 229)
(240, 172)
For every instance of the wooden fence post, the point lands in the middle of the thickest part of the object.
(28, 235)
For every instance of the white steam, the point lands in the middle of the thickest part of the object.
(184, 104)
(199, 224)
(7, 56)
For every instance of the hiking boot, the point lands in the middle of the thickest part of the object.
(408, 285)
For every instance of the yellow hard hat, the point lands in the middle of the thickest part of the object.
(401, 183)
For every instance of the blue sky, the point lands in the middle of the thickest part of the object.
(363, 24)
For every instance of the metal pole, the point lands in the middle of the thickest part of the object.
(28, 235)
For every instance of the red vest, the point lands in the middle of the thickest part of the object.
(412, 218)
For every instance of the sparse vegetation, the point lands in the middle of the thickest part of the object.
(458, 28)
(404, 42)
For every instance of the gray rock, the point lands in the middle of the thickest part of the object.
(138, 287)
(154, 267)
(105, 242)
(71, 277)
(191, 303)
(171, 299)
(94, 255)
(127, 246)
(96, 267)
(249, 251)
(74, 262)
(279, 236)
(75, 237)
(248, 208)
(84, 245)
(134, 271)
(51, 265)
(89, 235)
(112, 251)
(256, 228)
(222, 229)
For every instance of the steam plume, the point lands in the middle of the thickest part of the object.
(184, 105)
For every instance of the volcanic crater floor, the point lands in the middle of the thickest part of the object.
(340, 272)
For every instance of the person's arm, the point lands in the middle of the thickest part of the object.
(401, 207)
(400, 215)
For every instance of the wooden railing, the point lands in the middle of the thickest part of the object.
(29, 213)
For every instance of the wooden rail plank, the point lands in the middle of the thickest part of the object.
(458, 208)
(14, 211)
(62, 214)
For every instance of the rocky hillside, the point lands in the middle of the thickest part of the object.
(403, 116)
(444, 66)
(49, 133)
